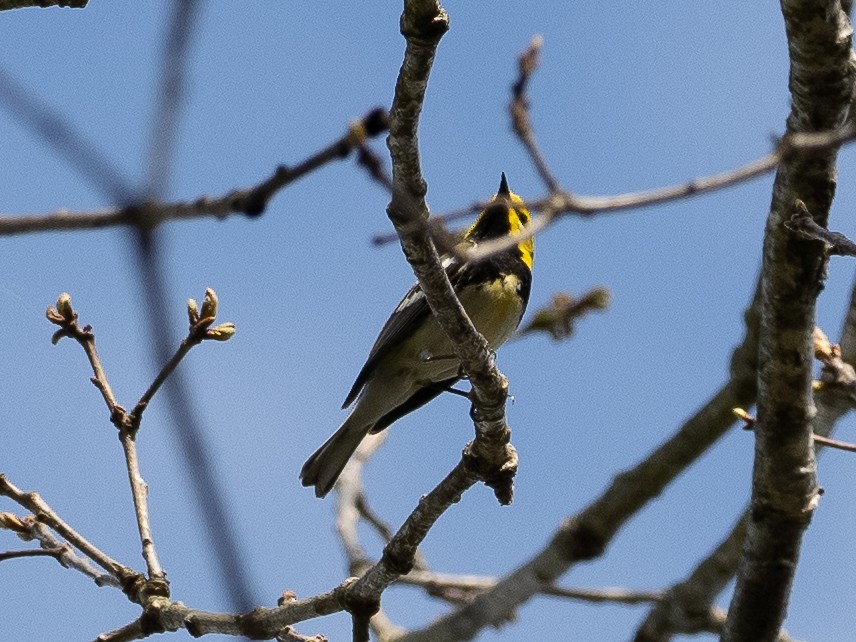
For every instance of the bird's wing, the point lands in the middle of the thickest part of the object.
(410, 312)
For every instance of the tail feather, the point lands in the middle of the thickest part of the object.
(323, 468)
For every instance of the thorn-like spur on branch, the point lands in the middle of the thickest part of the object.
(557, 319)
(250, 201)
(834, 443)
(802, 224)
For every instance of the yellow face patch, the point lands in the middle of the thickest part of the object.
(517, 219)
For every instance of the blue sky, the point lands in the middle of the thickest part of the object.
(629, 96)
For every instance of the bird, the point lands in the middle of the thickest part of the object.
(412, 360)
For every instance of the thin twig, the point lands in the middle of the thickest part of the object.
(56, 553)
(475, 584)
(69, 559)
(519, 108)
(201, 329)
(751, 423)
(251, 201)
(834, 443)
(43, 513)
(64, 316)
(561, 203)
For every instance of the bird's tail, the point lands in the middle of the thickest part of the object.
(323, 468)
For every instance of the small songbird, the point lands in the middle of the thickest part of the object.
(412, 360)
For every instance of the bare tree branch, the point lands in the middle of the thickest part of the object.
(56, 553)
(423, 24)
(692, 596)
(519, 108)
(127, 577)
(784, 486)
(440, 584)
(250, 201)
(585, 535)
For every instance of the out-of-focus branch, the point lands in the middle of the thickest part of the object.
(686, 604)
(59, 134)
(467, 587)
(784, 484)
(21, 4)
(557, 319)
(251, 201)
(519, 108)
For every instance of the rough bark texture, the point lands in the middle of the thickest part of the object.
(784, 484)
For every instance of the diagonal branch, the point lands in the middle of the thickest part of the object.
(251, 201)
(585, 535)
(127, 577)
(693, 595)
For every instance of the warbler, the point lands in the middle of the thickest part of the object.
(412, 360)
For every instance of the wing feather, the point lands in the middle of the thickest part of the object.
(408, 314)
